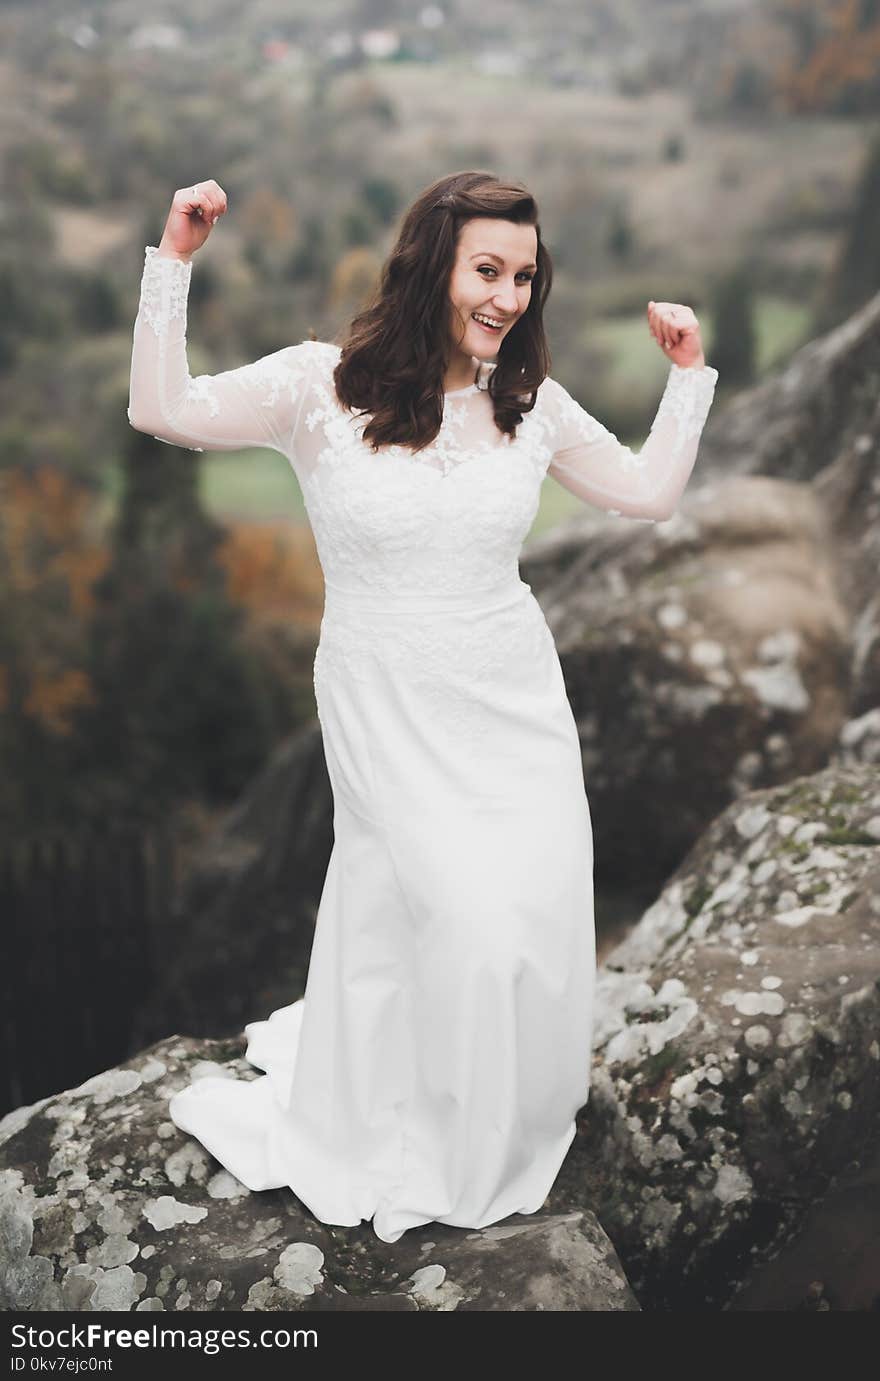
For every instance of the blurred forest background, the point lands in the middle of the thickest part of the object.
(159, 608)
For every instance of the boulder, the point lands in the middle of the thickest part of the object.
(795, 422)
(105, 1205)
(849, 492)
(704, 657)
(736, 1077)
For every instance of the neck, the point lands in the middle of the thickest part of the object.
(456, 379)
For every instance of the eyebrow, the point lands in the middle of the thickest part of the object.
(488, 255)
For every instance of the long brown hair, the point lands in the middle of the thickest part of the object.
(396, 352)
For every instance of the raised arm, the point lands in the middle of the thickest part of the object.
(589, 460)
(254, 405)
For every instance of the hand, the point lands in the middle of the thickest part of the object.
(677, 332)
(191, 218)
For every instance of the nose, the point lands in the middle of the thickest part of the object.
(506, 301)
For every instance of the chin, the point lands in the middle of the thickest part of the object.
(485, 349)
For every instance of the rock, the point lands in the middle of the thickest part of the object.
(849, 493)
(794, 423)
(105, 1205)
(860, 739)
(833, 1262)
(736, 1055)
(725, 649)
(704, 657)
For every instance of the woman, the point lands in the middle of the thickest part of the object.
(435, 1065)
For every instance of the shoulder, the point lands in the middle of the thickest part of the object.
(308, 363)
(556, 403)
(320, 349)
(562, 419)
(312, 354)
(551, 391)
(551, 399)
(548, 391)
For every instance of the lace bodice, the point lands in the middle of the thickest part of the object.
(452, 517)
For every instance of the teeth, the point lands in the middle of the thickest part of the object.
(487, 320)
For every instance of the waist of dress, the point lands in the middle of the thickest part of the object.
(478, 601)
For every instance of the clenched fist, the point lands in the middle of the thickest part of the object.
(677, 332)
(194, 212)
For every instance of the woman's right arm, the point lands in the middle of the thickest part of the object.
(254, 405)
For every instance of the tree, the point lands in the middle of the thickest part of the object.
(856, 273)
(835, 65)
(180, 709)
(621, 239)
(733, 331)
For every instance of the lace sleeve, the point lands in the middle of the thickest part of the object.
(255, 405)
(590, 461)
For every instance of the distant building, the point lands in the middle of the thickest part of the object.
(380, 43)
(167, 36)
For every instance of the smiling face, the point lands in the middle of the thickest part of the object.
(492, 277)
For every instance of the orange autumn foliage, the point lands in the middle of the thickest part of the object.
(272, 569)
(51, 555)
(54, 700)
(844, 55)
(45, 533)
(51, 559)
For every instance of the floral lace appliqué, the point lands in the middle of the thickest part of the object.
(453, 664)
(687, 397)
(164, 288)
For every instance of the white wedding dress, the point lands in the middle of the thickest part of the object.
(434, 1067)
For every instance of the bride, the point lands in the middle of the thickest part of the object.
(434, 1067)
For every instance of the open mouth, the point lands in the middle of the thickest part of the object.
(485, 322)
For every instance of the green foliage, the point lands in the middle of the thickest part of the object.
(733, 330)
(357, 228)
(41, 168)
(382, 197)
(180, 708)
(310, 261)
(97, 303)
(621, 238)
(855, 276)
(751, 89)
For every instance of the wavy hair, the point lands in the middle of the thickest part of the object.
(396, 351)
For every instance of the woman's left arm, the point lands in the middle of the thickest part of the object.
(589, 460)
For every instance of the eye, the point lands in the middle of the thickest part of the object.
(525, 275)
